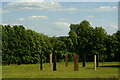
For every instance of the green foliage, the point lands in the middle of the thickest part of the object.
(21, 45)
(24, 46)
(87, 39)
(0, 44)
(117, 48)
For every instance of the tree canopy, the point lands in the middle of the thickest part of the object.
(24, 46)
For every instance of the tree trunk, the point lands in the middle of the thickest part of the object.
(83, 59)
(97, 59)
(51, 60)
(66, 60)
(41, 68)
(76, 62)
(8, 63)
(54, 62)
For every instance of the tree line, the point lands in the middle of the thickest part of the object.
(25, 46)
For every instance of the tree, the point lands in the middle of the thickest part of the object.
(6, 48)
(85, 33)
(66, 51)
(25, 46)
(57, 48)
(111, 47)
(21, 45)
(99, 47)
(81, 35)
(0, 45)
(117, 48)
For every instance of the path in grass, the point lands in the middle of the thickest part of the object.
(32, 71)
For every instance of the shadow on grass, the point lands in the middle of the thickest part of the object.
(114, 66)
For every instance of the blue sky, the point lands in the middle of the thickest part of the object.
(65, 0)
(54, 18)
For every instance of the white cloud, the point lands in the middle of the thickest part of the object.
(113, 26)
(0, 11)
(109, 26)
(90, 16)
(33, 17)
(62, 19)
(62, 24)
(68, 0)
(105, 9)
(60, 28)
(21, 19)
(32, 5)
(5, 11)
(31, 0)
(38, 17)
(50, 6)
(22, 0)
(66, 9)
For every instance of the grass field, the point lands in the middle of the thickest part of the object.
(110, 70)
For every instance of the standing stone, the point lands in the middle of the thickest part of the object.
(83, 59)
(95, 62)
(54, 62)
(51, 60)
(97, 59)
(66, 60)
(41, 68)
(75, 62)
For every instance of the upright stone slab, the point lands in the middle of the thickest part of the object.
(41, 67)
(83, 59)
(66, 60)
(75, 62)
(51, 60)
(95, 62)
(54, 62)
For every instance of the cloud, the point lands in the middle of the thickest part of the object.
(105, 9)
(33, 17)
(21, 19)
(62, 19)
(32, 5)
(90, 16)
(113, 26)
(5, 11)
(31, 0)
(0, 11)
(50, 6)
(61, 28)
(66, 9)
(38, 17)
(22, 0)
(110, 27)
(62, 24)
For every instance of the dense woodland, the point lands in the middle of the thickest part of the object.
(24, 46)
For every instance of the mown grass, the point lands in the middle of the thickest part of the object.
(32, 71)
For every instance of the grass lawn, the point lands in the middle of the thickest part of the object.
(32, 71)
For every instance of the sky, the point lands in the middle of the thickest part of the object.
(64, 0)
(54, 18)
